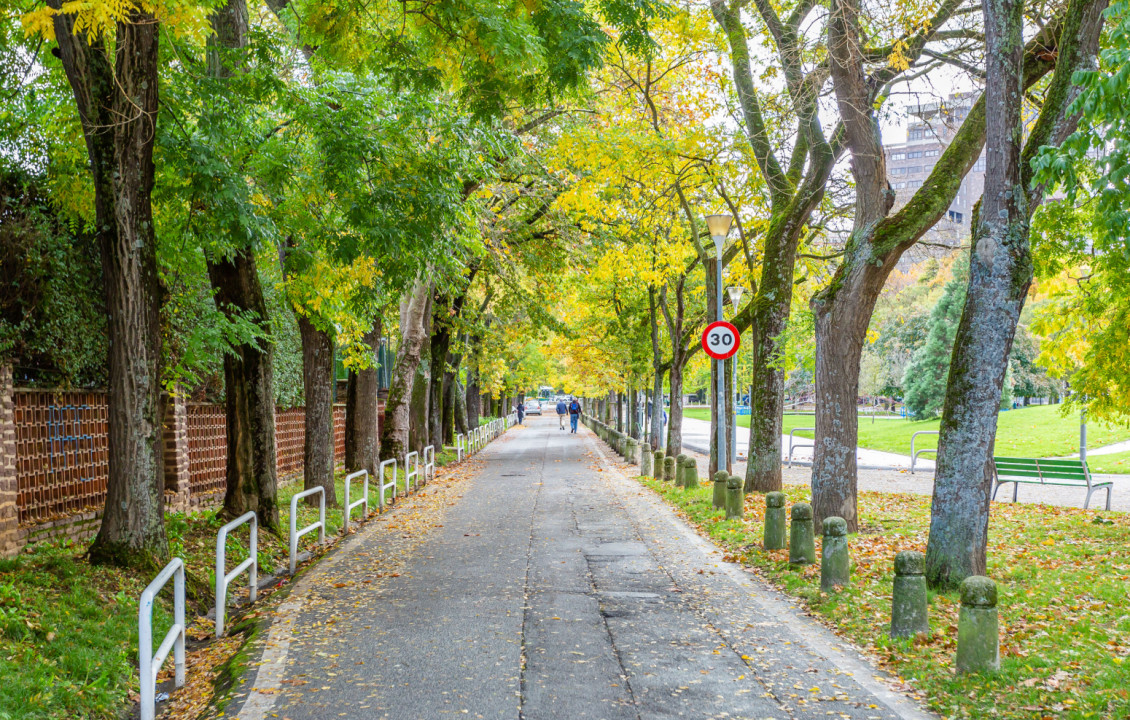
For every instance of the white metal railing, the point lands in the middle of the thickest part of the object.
(915, 453)
(251, 564)
(793, 444)
(320, 526)
(364, 500)
(382, 485)
(149, 663)
(411, 471)
(460, 447)
(429, 464)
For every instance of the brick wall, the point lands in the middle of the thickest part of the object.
(53, 459)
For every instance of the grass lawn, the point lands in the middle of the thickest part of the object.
(68, 629)
(1063, 581)
(1115, 463)
(1037, 431)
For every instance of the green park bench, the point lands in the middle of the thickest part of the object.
(1046, 472)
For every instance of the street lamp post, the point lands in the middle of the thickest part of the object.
(719, 227)
(735, 299)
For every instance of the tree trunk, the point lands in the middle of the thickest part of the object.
(462, 423)
(473, 400)
(675, 417)
(317, 390)
(656, 409)
(117, 108)
(1000, 273)
(440, 344)
(418, 425)
(413, 334)
(362, 443)
(249, 394)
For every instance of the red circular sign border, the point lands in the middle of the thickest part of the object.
(737, 340)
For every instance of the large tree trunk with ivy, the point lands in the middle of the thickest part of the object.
(419, 425)
(413, 335)
(1000, 272)
(249, 399)
(317, 390)
(362, 443)
(117, 107)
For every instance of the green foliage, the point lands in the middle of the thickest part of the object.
(928, 372)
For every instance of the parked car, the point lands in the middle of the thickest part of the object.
(533, 407)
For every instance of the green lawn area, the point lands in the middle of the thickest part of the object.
(1065, 648)
(68, 629)
(1037, 431)
(1115, 463)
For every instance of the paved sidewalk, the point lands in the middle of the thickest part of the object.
(550, 587)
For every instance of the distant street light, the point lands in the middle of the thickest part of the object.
(719, 227)
(735, 292)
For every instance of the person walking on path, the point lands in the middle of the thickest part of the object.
(574, 415)
(562, 411)
(521, 408)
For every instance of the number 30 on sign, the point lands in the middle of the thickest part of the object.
(721, 340)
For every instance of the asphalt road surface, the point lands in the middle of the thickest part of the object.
(547, 585)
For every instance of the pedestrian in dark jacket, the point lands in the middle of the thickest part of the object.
(562, 411)
(574, 415)
(521, 412)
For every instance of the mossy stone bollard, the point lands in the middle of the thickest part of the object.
(680, 463)
(735, 498)
(720, 479)
(835, 562)
(908, 599)
(645, 461)
(657, 466)
(978, 642)
(690, 474)
(775, 526)
(630, 449)
(668, 469)
(802, 543)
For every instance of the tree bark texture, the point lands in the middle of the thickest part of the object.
(317, 392)
(117, 108)
(362, 427)
(462, 422)
(1000, 273)
(249, 395)
(394, 433)
(249, 400)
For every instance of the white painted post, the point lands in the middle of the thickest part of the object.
(251, 564)
(363, 501)
(149, 663)
(382, 485)
(320, 525)
(411, 470)
(429, 463)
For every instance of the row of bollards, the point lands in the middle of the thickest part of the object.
(978, 646)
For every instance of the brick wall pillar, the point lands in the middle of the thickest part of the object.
(9, 487)
(177, 494)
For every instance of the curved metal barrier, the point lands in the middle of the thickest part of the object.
(429, 464)
(320, 525)
(251, 564)
(793, 445)
(915, 453)
(348, 507)
(149, 662)
(411, 471)
(382, 485)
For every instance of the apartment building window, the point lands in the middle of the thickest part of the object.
(955, 217)
(914, 183)
(898, 171)
(979, 166)
(915, 154)
(918, 134)
(913, 169)
(931, 153)
(900, 186)
(898, 156)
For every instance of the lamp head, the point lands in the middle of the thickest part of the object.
(719, 225)
(735, 295)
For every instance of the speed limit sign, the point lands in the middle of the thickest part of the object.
(721, 340)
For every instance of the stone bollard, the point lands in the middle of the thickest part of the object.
(658, 464)
(680, 463)
(802, 544)
(630, 449)
(835, 562)
(735, 498)
(908, 600)
(690, 474)
(978, 642)
(668, 469)
(720, 479)
(645, 461)
(775, 526)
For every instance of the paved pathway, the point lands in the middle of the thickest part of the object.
(550, 587)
